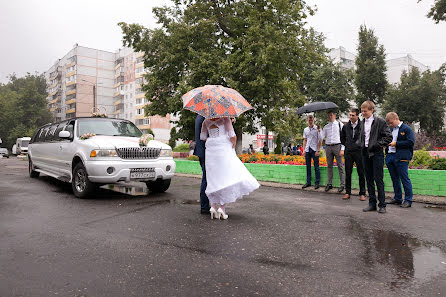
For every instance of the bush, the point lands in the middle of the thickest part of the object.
(192, 158)
(182, 148)
(421, 158)
(438, 164)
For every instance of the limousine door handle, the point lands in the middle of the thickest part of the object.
(60, 148)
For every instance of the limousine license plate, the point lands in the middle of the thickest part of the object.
(142, 173)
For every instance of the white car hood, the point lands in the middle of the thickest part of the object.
(111, 142)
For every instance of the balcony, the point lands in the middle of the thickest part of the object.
(70, 92)
(119, 93)
(71, 110)
(139, 54)
(70, 74)
(141, 127)
(140, 117)
(117, 102)
(52, 109)
(70, 83)
(118, 111)
(70, 101)
(140, 96)
(118, 74)
(117, 84)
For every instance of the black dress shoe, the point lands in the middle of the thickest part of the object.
(382, 210)
(305, 186)
(204, 211)
(341, 189)
(369, 208)
(328, 188)
(393, 201)
(316, 186)
(406, 204)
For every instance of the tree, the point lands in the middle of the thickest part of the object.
(438, 11)
(329, 82)
(260, 48)
(23, 107)
(370, 77)
(419, 98)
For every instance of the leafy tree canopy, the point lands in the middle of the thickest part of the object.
(370, 78)
(419, 98)
(438, 11)
(263, 49)
(23, 107)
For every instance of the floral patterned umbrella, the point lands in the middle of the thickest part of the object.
(214, 101)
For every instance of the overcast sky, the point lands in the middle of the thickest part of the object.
(34, 34)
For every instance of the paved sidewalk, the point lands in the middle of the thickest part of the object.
(436, 201)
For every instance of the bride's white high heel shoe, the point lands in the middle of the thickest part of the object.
(222, 215)
(214, 213)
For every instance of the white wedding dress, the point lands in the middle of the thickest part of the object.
(227, 177)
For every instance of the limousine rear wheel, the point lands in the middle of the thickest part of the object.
(32, 172)
(81, 185)
(158, 186)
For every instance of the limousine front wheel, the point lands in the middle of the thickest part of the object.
(32, 172)
(158, 186)
(81, 185)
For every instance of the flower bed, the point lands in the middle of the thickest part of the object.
(424, 182)
(278, 159)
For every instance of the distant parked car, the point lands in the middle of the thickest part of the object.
(4, 152)
(88, 152)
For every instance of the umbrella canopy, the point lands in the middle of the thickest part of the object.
(214, 101)
(316, 106)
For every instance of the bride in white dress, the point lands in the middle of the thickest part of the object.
(227, 177)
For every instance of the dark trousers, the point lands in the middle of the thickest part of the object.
(374, 173)
(350, 158)
(204, 201)
(399, 172)
(308, 156)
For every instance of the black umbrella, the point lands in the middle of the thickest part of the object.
(316, 106)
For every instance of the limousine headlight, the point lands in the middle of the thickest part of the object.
(103, 153)
(166, 153)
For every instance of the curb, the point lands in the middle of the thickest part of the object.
(437, 200)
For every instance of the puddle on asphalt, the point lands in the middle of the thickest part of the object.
(142, 190)
(411, 259)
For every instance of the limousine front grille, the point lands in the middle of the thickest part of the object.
(138, 153)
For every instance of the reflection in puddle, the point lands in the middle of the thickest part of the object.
(411, 259)
(141, 190)
(128, 189)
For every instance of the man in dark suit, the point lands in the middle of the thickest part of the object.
(350, 139)
(375, 136)
(200, 153)
(398, 155)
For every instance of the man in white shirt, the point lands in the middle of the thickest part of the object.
(334, 149)
(312, 145)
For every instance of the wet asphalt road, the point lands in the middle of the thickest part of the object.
(277, 242)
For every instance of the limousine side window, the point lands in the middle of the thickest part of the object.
(60, 127)
(43, 131)
(50, 135)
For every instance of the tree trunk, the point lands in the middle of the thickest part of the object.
(238, 145)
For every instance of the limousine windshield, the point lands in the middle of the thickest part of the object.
(109, 127)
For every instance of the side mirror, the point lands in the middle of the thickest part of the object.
(64, 134)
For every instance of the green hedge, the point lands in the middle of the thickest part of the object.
(424, 182)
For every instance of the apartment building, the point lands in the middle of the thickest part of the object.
(81, 82)
(88, 80)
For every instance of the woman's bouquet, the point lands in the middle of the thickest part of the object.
(86, 136)
(144, 140)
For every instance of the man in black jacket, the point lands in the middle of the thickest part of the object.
(200, 153)
(375, 136)
(350, 139)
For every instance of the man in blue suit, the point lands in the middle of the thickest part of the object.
(398, 155)
(200, 153)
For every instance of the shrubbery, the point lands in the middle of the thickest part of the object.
(438, 164)
(421, 159)
(182, 148)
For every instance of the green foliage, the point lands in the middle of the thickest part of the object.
(370, 78)
(438, 164)
(261, 49)
(329, 82)
(184, 147)
(419, 98)
(23, 107)
(421, 158)
(438, 11)
(173, 137)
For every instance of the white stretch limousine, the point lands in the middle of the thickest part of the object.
(92, 151)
